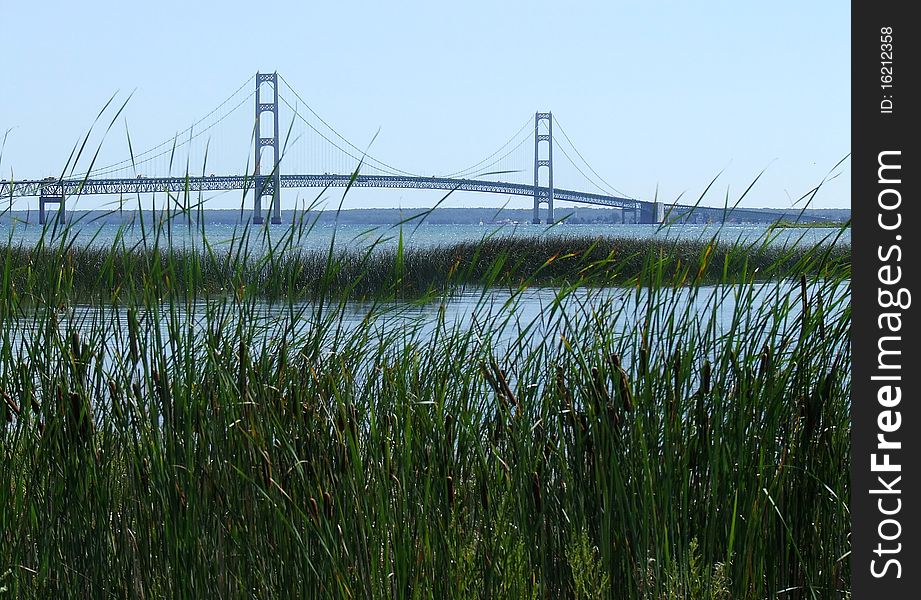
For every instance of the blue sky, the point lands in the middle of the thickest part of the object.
(659, 97)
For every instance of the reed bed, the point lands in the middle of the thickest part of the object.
(281, 269)
(185, 435)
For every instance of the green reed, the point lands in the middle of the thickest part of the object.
(281, 270)
(213, 424)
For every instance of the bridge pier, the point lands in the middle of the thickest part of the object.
(651, 213)
(50, 199)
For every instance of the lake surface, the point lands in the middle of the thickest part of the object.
(422, 235)
(497, 317)
(504, 316)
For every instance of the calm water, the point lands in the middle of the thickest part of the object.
(533, 315)
(426, 234)
(534, 312)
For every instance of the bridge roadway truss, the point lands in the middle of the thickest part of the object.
(644, 212)
(144, 185)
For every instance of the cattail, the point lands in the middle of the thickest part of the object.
(500, 375)
(241, 376)
(562, 390)
(623, 383)
(613, 417)
(644, 355)
(625, 392)
(114, 392)
(765, 361)
(161, 385)
(80, 419)
(449, 427)
(183, 500)
(600, 396)
(450, 482)
(491, 380)
(340, 421)
(133, 335)
(314, 510)
(145, 470)
(59, 395)
(11, 404)
(328, 505)
(583, 422)
(536, 492)
(804, 297)
(75, 345)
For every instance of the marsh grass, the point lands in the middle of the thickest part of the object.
(171, 440)
(284, 270)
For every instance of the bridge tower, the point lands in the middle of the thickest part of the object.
(544, 194)
(270, 184)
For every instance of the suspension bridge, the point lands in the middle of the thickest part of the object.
(321, 148)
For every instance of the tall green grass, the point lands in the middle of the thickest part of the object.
(282, 269)
(200, 431)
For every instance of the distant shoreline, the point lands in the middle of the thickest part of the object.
(783, 224)
(438, 216)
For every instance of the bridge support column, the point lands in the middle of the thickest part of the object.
(651, 213)
(267, 185)
(50, 199)
(543, 194)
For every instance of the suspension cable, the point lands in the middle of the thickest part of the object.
(504, 156)
(389, 169)
(127, 162)
(563, 131)
(502, 147)
(176, 144)
(339, 135)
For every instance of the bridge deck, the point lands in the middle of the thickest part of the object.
(141, 185)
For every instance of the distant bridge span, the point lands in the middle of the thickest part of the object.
(54, 191)
(57, 191)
